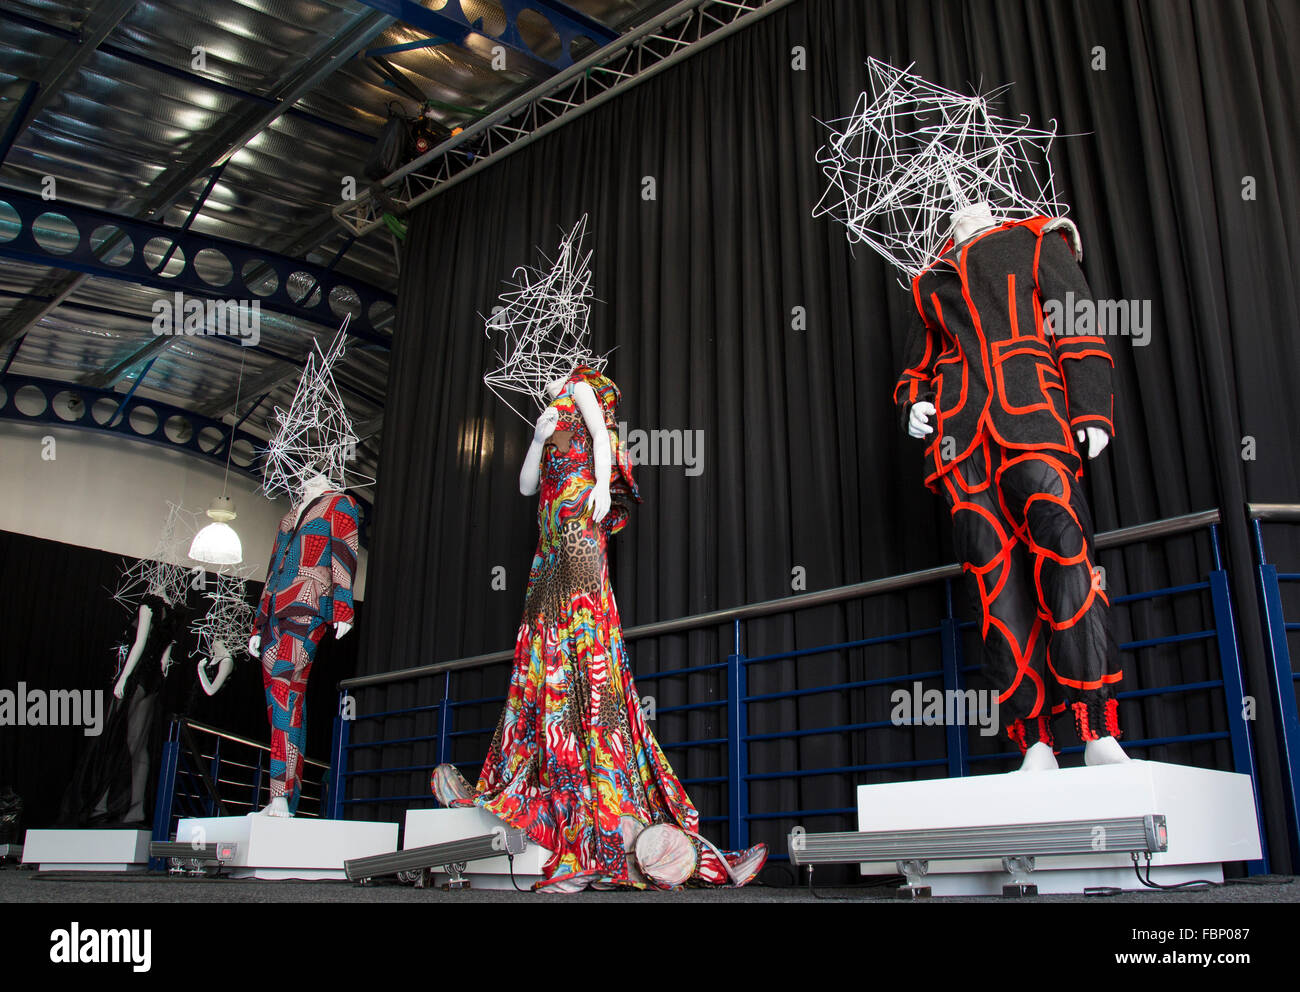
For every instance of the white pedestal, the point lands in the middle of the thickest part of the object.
(87, 850)
(437, 826)
(1210, 816)
(299, 847)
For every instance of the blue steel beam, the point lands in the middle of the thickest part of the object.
(120, 422)
(451, 23)
(259, 349)
(243, 258)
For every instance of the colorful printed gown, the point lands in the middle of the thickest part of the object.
(572, 755)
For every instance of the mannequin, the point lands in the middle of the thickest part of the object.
(115, 772)
(1011, 472)
(308, 588)
(224, 663)
(152, 606)
(572, 762)
(593, 418)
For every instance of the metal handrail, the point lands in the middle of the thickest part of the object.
(1274, 511)
(227, 735)
(1168, 527)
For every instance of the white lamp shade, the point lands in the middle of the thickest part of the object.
(217, 544)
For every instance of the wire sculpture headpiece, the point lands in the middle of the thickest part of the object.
(541, 324)
(913, 152)
(315, 436)
(229, 616)
(166, 572)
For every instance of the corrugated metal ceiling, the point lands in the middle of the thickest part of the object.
(138, 111)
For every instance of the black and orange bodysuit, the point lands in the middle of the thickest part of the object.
(1009, 392)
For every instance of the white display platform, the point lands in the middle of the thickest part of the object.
(437, 826)
(1210, 817)
(87, 850)
(273, 847)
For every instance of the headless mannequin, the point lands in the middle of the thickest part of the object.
(224, 664)
(141, 705)
(313, 487)
(968, 222)
(589, 406)
(143, 625)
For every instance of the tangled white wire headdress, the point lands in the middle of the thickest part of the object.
(167, 571)
(228, 618)
(541, 324)
(315, 435)
(913, 152)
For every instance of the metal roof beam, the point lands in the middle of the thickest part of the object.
(62, 67)
(217, 149)
(451, 23)
(266, 381)
(676, 34)
(253, 271)
(153, 65)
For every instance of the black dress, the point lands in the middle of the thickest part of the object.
(115, 779)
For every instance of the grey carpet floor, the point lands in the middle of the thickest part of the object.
(26, 886)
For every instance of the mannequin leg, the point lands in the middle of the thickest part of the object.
(286, 666)
(1051, 516)
(139, 723)
(1001, 579)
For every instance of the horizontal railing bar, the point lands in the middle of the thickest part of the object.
(884, 766)
(866, 642)
(226, 735)
(787, 604)
(819, 731)
(1155, 642)
(702, 742)
(791, 814)
(351, 773)
(790, 694)
(1273, 511)
(672, 673)
(712, 705)
(1162, 690)
(1136, 597)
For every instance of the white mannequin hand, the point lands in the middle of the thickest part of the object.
(255, 646)
(341, 628)
(598, 501)
(546, 424)
(918, 419)
(1096, 438)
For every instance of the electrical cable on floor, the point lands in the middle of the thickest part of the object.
(1269, 880)
(1200, 883)
(511, 858)
(883, 881)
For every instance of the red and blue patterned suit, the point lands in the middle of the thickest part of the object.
(1010, 391)
(308, 587)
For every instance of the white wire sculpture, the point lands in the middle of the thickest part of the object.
(913, 152)
(541, 324)
(228, 619)
(315, 436)
(168, 571)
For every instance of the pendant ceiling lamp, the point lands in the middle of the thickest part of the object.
(217, 543)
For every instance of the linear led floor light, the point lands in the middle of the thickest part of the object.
(188, 858)
(1017, 844)
(452, 856)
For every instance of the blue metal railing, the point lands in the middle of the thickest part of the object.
(737, 699)
(237, 773)
(1269, 583)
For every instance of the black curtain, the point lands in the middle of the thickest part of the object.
(61, 633)
(733, 313)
